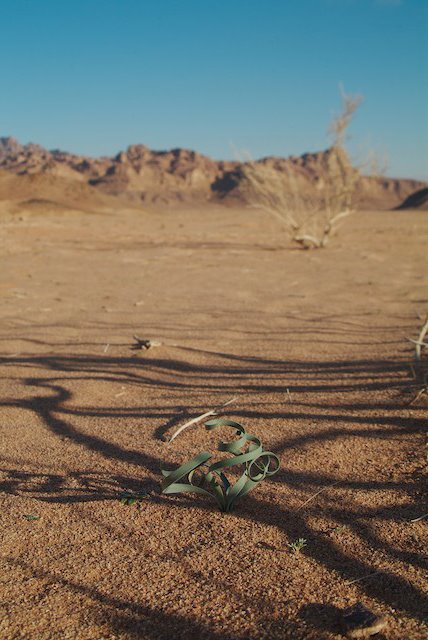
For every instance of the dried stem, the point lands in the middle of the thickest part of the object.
(369, 575)
(419, 368)
(310, 213)
(420, 518)
(420, 341)
(317, 494)
(213, 412)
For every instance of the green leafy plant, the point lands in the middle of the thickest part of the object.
(341, 529)
(30, 517)
(197, 476)
(297, 545)
(129, 498)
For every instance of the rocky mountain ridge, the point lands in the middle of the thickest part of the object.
(141, 175)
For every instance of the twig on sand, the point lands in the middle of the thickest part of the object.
(143, 343)
(420, 341)
(418, 368)
(213, 412)
(420, 518)
(362, 578)
(419, 344)
(106, 348)
(418, 395)
(317, 494)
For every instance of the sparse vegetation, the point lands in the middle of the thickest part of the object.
(341, 529)
(310, 217)
(197, 476)
(129, 498)
(298, 545)
(420, 366)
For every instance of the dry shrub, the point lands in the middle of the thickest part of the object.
(309, 211)
(420, 366)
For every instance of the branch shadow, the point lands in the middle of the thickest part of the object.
(55, 408)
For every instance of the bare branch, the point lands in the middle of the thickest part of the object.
(420, 342)
(309, 212)
(213, 412)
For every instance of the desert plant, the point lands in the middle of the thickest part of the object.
(309, 214)
(197, 476)
(297, 545)
(130, 498)
(340, 529)
(420, 365)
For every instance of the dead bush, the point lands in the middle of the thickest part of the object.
(309, 210)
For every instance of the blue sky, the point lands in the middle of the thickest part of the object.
(93, 76)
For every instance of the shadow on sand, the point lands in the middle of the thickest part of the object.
(56, 407)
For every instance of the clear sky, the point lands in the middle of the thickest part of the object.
(93, 76)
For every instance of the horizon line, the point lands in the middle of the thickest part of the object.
(124, 149)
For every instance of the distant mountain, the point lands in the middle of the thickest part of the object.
(417, 200)
(47, 193)
(141, 175)
(145, 175)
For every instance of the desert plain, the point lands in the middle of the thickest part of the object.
(314, 347)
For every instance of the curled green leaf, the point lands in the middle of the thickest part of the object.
(198, 476)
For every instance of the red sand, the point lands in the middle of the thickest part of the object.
(84, 417)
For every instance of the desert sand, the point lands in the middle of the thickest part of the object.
(313, 345)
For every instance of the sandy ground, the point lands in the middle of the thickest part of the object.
(313, 344)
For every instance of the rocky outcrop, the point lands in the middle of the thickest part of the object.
(149, 176)
(34, 159)
(49, 192)
(385, 193)
(141, 175)
(417, 200)
(312, 172)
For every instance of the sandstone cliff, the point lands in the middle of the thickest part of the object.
(141, 175)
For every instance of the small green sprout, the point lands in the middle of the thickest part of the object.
(30, 517)
(340, 529)
(297, 545)
(130, 498)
